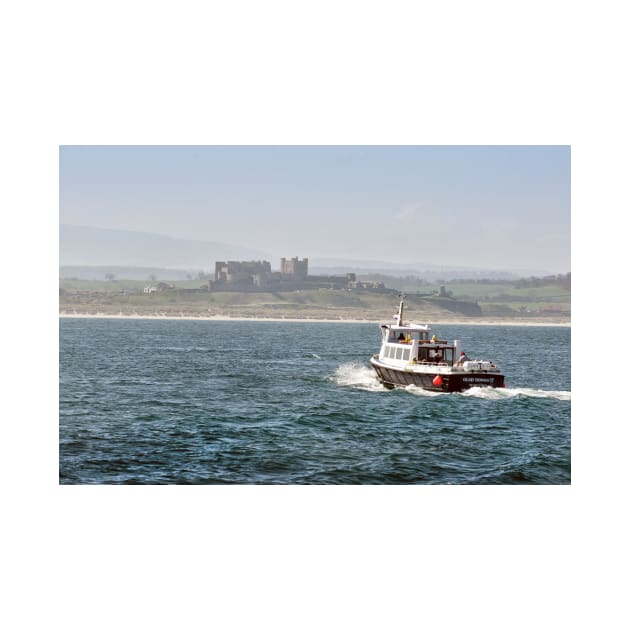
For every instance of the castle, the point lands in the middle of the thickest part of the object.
(294, 267)
(256, 275)
(244, 273)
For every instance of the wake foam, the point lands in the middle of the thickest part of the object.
(358, 376)
(499, 393)
(419, 391)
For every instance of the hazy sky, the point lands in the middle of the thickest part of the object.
(501, 207)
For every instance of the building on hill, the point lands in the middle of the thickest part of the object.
(364, 284)
(256, 275)
(294, 267)
(241, 272)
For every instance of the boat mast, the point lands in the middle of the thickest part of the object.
(399, 317)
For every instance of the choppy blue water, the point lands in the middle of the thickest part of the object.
(203, 402)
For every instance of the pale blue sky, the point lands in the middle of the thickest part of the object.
(502, 207)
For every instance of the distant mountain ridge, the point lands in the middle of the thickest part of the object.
(83, 246)
(423, 269)
(90, 246)
(430, 274)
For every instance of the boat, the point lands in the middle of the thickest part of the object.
(411, 355)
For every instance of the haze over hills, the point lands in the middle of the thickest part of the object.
(338, 265)
(84, 247)
(90, 246)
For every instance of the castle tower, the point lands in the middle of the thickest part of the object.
(294, 267)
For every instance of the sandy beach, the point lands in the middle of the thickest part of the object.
(227, 318)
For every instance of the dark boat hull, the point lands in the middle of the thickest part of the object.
(455, 382)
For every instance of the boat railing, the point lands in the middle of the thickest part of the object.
(477, 366)
(420, 341)
(429, 362)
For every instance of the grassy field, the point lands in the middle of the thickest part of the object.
(115, 286)
(469, 301)
(507, 292)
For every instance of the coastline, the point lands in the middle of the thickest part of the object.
(306, 320)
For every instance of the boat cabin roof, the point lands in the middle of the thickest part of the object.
(408, 327)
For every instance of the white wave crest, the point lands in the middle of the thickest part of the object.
(364, 377)
(419, 391)
(499, 393)
(359, 376)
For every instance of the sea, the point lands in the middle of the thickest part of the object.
(157, 401)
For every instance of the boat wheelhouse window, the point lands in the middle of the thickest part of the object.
(399, 352)
(448, 355)
(423, 354)
(406, 353)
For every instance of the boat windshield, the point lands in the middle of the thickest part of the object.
(408, 336)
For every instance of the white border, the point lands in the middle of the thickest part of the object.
(342, 73)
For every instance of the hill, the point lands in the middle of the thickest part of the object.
(191, 298)
(427, 271)
(103, 272)
(90, 246)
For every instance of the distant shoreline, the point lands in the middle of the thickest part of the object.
(306, 320)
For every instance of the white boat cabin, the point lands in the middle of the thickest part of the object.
(413, 343)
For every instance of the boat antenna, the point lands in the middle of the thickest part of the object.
(399, 317)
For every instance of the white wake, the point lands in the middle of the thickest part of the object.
(500, 393)
(364, 377)
(358, 376)
(419, 391)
